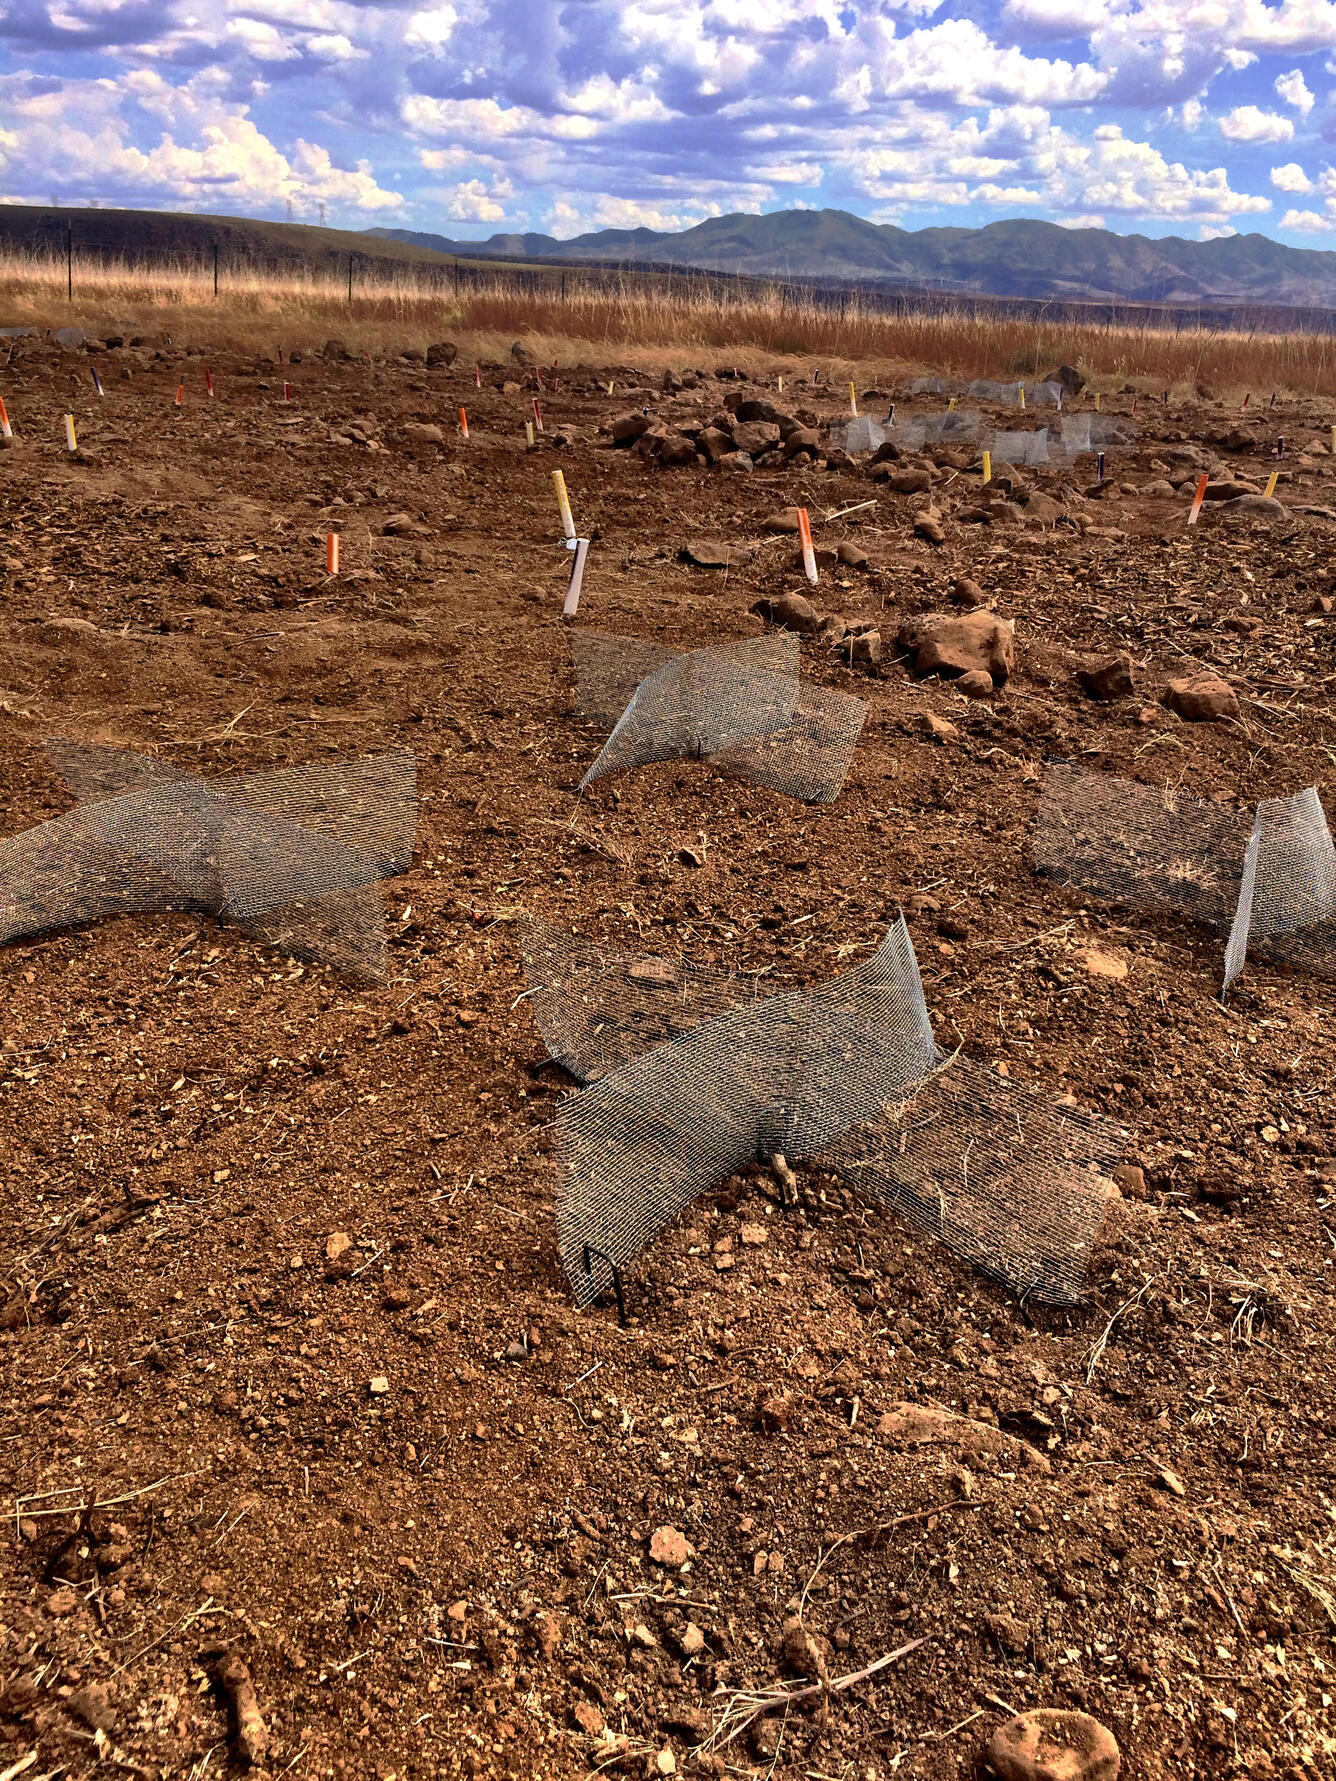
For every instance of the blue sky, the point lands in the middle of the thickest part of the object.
(1188, 117)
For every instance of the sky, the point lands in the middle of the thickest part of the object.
(466, 117)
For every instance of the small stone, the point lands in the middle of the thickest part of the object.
(1011, 1634)
(691, 1640)
(1130, 1180)
(547, 1633)
(800, 1654)
(643, 1637)
(213, 1584)
(337, 1244)
(965, 592)
(926, 527)
(904, 482)
(67, 630)
(802, 439)
(588, 1719)
(379, 1386)
(1052, 1744)
(627, 428)
(665, 1763)
(1108, 680)
(670, 1546)
(790, 612)
(704, 553)
(1172, 1482)
(755, 437)
(516, 1351)
(458, 1612)
(444, 352)
(783, 523)
(423, 433)
(865, 650)
(1096, 963)
(737, 463)
(975, 685)
(951, 645)
(753, 1235)
(1202, 698)
(61, 1602)
(853, 556)
(774, 1410)
(93, 1704)
(938, 728)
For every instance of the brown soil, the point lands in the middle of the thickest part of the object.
(454, 1575)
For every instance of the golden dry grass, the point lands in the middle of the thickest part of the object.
(654, 321)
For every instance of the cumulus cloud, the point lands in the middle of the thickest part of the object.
(1248, 123)
(1293, 89)
(1306, 222)
(1291, 178)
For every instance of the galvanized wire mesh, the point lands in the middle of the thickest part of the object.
(861, 433)
(293, 855)
(954, 426)
(1043, 395)
(1018, 449)
(926, 386)
(738, 706)
(846, 1074)
(1001, 395)
(1270, 886)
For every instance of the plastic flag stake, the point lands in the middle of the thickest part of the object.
(1099, 466)
(1198, 498)
(7, 432)
(528, 433)
(180, 395)
(1247, 398)
(1280, 445)
(1269, 492)
(537, 415)
(71, 437)
(477, 375)
(331, 553)
(1272, 402)
(1060, 399)
(208, 382)
(1021, 388)
(805, 538)
(1096, 401)
(611, 388)
(97, 382)
(853, 399)
(280, 355)
(538, 373)
(581, 548)
(1333, 442)
(564, 505)
(890, 415)
(951, 404)
(463, 424)
(287, 392)
(988, 466)
(780, 385)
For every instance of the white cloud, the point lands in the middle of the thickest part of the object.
(1291, 178)
(1293, 89)
(432, 29)
(1306, 222)
(1247, 123)
(1215, 231)
(1192, 114)
(603, 211)
(471, 201)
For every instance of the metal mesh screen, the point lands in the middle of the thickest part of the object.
(926, 386)
(738, 706)
(1044, 395)
(1018, 448)
(955, 426)
(293, 855)
(1287, 898)
(846, 1073)
(862, 433)
(1001, 395)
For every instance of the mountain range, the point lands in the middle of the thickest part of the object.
(1018, 259)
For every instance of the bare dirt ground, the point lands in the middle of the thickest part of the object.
(453, 1575)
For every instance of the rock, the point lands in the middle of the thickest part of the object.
(938, 728)
(737, 463)
(61, 1602)
(670, 383)
(1109, 680)
(704, 553)
(757, 408)
(1158, 490)
(67, 630)
(690, 1640)
(586, 1718)
(1234, 440)
(853, 556)
(1053, 1744)
(925, 1425)
(665, 1763)
(976, 685)
(677, 449)
(1201, 699)
(335, 352)
(802, 439)
(888, 452)
(1069, 377)
(1096, 963)
(445, 352)
(1130, 1181)
(1011, 1634)
(969, 515)
(782, 522)
(839, 460)
(1259, 504)
(1172, 1482)
(520, 353)
(670, 1546)
(800, 1654)
(423, 433)
(774, 1410)
(337, 1244)
(378, 1386)
(94, 1706)
(865, 650)
(627, 428)
(714, 443)
(547, 1634)
(904, 482)
(754, 437)
(1228, 491)
(403, 524)
(965, 592)
(69, 337)
(790, 612)
(250, 1735)
(972, 642)
(1043, 509)
(929, 528)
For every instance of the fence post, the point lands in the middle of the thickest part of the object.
(69, 261)
(215, 269)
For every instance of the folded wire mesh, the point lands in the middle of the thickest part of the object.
(1019, 448)
(954, 426)
(738, 706)
(847, 1074)
(1269, 885)
(293, 855)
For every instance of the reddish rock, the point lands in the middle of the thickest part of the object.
(974, 642)
(670, 1546)
(1202, 699)
(790, 612)
(976, 685)
(965, 592)
(783, 522)
(627, 428)
(737, 462)
(1052, 1744)
(677, 449)
(802, 439)
(714, 442)
(926, 526)
(755, 437)
(1109, 680)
